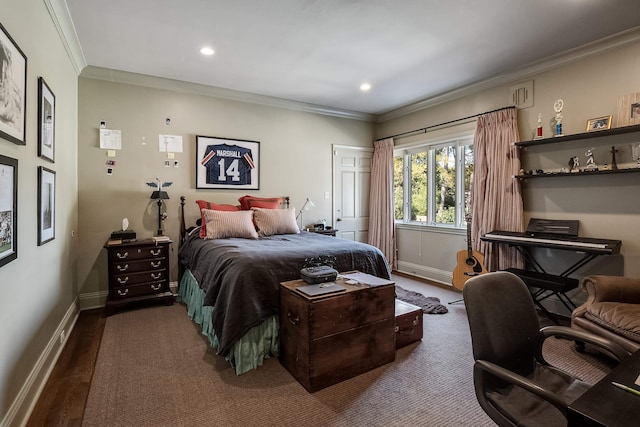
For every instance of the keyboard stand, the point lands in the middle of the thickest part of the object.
(547, 285)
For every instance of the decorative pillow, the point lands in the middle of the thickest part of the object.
(225, 224)
(248, 202)
(275, 221)
(203, 204)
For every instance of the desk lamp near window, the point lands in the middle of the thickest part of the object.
(159, 195)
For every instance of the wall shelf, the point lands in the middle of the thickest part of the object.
(582, 173)
(579, 136)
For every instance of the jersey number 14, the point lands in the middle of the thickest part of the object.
(231, 171)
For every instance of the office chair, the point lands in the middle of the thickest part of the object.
(513, 382)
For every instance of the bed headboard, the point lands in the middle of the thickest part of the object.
(184, 229)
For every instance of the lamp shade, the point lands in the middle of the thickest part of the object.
(159, 195)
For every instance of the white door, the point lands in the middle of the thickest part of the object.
(352, 178)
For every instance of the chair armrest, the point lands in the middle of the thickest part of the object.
(612, 288)
(601, 288)
(481, 367)
(613, 349)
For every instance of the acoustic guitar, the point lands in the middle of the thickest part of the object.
(470, 262)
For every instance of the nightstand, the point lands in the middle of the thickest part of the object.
(330, 232)
(138, 271)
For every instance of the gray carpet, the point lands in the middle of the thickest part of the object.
(154, 368)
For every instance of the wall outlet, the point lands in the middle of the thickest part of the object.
(63, 335)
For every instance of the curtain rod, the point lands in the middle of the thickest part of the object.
(425, 129)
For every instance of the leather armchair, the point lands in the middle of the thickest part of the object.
(612, 310)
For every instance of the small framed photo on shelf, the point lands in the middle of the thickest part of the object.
(46, 205)
(46, 121)
(8, 209)
(628, 110)
(13, 90)
(599, 123)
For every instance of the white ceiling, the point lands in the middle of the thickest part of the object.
(320, 51)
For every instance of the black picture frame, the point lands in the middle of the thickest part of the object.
(8, 209)
(46, 121)
(46, 205)
(227, 164)
(13, 90)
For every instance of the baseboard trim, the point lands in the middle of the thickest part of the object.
(91, 300)
(432, 274)
(21, 408)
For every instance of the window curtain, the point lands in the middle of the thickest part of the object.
(381, 218)
(496, 198)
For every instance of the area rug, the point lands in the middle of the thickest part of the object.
(430, 305)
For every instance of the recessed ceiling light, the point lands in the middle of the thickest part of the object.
(207, 51)
(365, 87)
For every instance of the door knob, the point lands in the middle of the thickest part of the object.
(339, 219)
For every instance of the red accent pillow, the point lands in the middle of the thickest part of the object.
(248, 202)
(203, 204)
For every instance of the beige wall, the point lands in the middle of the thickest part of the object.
(295, 151)
(39, 287)
(607, 206)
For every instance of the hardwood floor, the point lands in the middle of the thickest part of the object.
(63, 398)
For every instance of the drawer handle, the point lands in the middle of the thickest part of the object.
(123, 293)
(123, 267)
(156, 277)
(155, 253)
(293, 320)
(121, 280)
(405, 332)
(156, 287)
(122, 256)
(156, 264)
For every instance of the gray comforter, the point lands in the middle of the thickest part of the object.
(241, 277)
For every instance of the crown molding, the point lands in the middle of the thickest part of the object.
(61, 18)
(597, 47)
(126, 77)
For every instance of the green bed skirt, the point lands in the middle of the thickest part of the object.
(249, 352)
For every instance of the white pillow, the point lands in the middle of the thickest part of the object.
(275, 221)
(224, 224)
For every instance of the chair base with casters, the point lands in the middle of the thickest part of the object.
(513, 382)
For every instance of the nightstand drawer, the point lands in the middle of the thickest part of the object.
(144, 265)
(134, 278)
(141, 252)
(123, 292)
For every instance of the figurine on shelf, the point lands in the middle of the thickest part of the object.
(574, 164)
(557, 107)
(539, 128)
(591, 164)
(614, 165)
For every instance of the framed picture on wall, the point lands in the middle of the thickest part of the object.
(232, 164)
(13, 90)
(628, 110)
(46, 121)
(46, 205)
(8, 209)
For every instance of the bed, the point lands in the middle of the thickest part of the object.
(231, 284)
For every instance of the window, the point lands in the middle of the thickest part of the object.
(432, 182)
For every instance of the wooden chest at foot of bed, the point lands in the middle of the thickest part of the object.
(408, 323)
(328, 339)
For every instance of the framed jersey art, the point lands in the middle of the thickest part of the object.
(223, 163)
